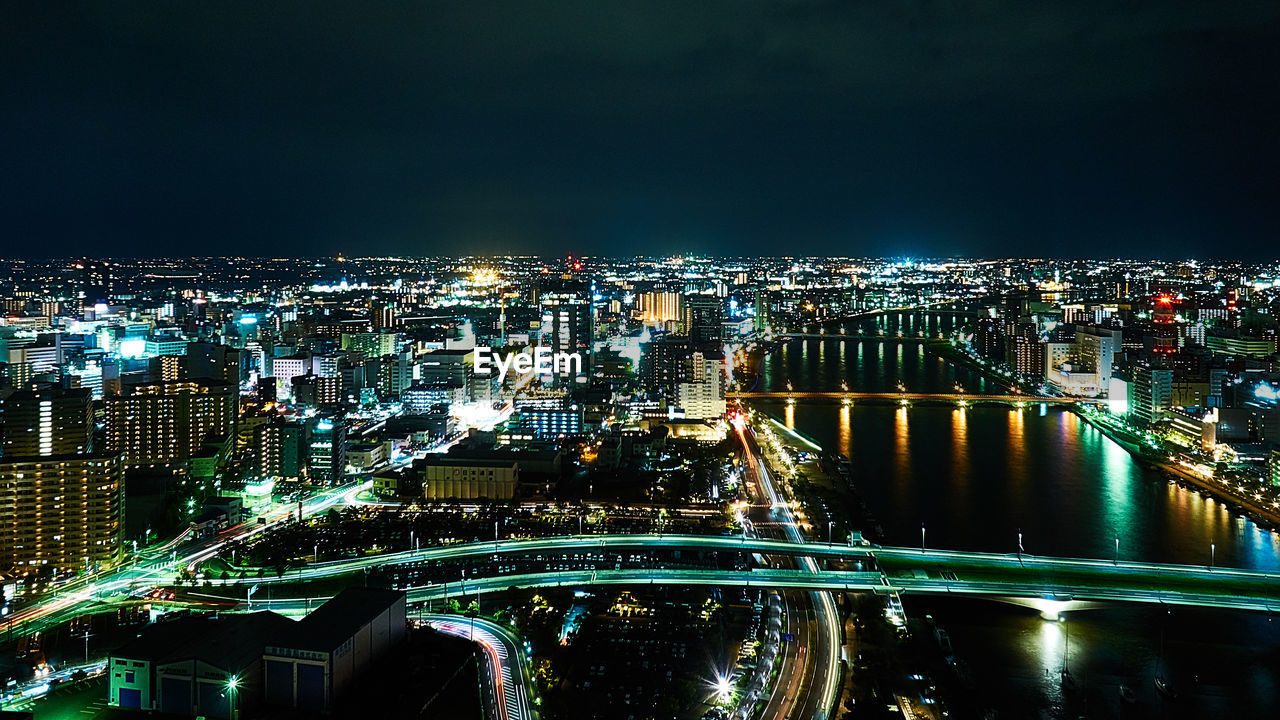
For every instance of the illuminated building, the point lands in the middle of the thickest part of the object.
(283, 450)
(446, 478)
(1238, 346)
(155, 346)
(762, 308)
(568, 322)
(53, 421)
(1026, 356)
(327, 451)
(285, 369)
(702, 398)
(659, 309)
(370, 344)
(169, 422)
(63, 513)
(664, 364)
(704, 319)
(1150, 394)
(545, 423)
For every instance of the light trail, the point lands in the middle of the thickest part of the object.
(507, 670)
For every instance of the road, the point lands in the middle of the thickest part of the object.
(808, 681)
(968, 398)
(145, 570)
(510, 686)
(823, 580)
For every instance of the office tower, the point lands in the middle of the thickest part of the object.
(761, 321)
(168, 423)
(704, 319)
(285, 369)
(1150, 394)
(49, 421)
(327, 451)
(63, 513)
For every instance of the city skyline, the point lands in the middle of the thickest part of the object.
(833, 128)
(643, 359)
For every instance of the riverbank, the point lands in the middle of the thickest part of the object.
(1261, 513)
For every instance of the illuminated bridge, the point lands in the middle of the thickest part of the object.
(861, 336)
(1019, 400)
(1048, 584)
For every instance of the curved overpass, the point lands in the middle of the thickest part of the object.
(885, 569)
(830, 580)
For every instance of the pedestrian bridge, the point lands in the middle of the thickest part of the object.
(1042, 582)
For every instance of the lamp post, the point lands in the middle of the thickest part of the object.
(1117, 557)
(1213, 551)
(921, 538)
(830, 523)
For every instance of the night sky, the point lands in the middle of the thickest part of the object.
(1075, 128)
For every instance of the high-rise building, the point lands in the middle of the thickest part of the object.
(63, 513)
(49, 421)
(1026, 356)
(327, 451)
(568, 323)
(664, 364)
(97, 282)
(704, 319)
(762, 307)
(702, 397)
(168, 423)
(211, 361)
(283, 453)
(1150, 394)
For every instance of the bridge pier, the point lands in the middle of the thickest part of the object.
(1051, 609)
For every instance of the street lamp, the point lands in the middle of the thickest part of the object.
(922, 538)
(233, 684)
(1213, 551)
(1117, 558)
(830, 523)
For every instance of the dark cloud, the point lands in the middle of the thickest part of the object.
(986, 127)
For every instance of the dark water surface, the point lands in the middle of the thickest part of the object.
(977, 477)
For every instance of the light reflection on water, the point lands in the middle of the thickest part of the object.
(977, 476)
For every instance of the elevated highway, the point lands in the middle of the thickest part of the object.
(885, 569)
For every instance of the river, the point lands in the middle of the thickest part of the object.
(978, 477)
